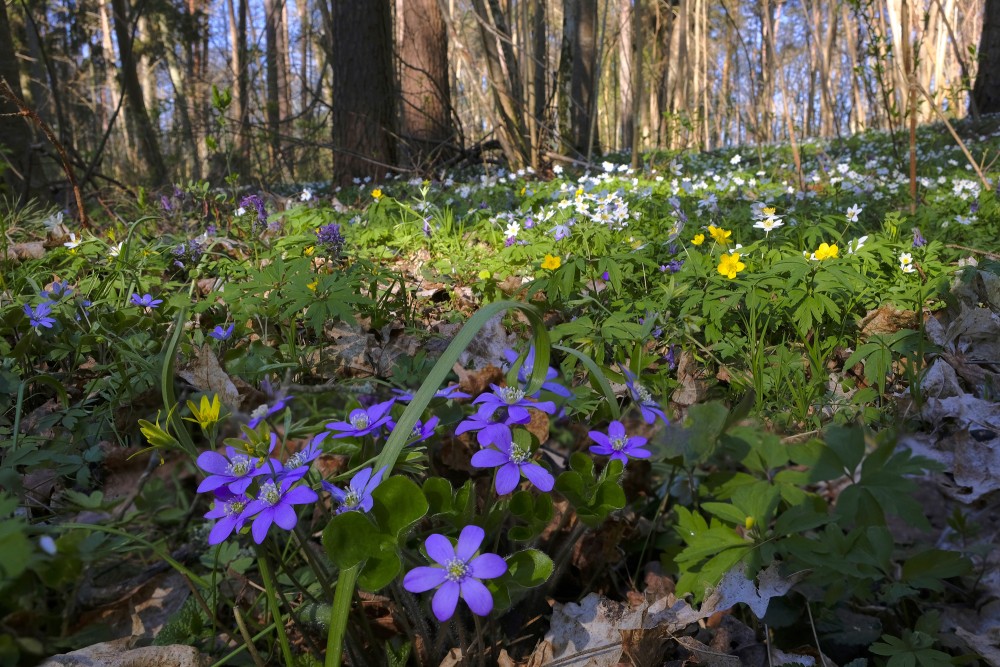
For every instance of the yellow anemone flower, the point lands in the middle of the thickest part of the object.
(730, 265)
(551, 262)
(719, 235)
(376, 194)
(698, 239)
(826, 251)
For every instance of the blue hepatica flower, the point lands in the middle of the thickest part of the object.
(524, 374)
(421, 430)
(457, 573)
(490, 429)
(448, 393)
(230, 511)
(511, 462)
(358, 495)
(262, 412)
(297, 465)
(235, 470)
(360, 422)
(58, 291)
(274, 505)
(617, 444)
(220, 333)
(146, 300)
(560, 232)
(38, 316)
(513, 400)
(649, 408)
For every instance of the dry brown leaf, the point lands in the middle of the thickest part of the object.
(886, 320)
(17, 252)
(120, 653)
(206, 375)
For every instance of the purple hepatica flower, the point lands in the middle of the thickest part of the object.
(457, 573)
(39, 316)
(297, 465)
(360, 422)
(490, 430)
(358, 496)
(673, 266)
(515, 402)
(605, 276)
(264, 411)
(58, 291)
(230, 510)
(524, 374)
(617, 444)
(146, 300)
(560, 232)
(649, 408)
(448, 393)
(421, 430)
(218, 333)
(235, 470)
(274, 505)
(918, 239)
(513, 462)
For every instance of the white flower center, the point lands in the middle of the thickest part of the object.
(352, 499)
(518, 455)
(294, 461)
(359, 420)
(259, 412)
(643, 394)
(235, 507)
(456, 570)
(511, 395)
(239, 466)
(269, 493)
(618, 444)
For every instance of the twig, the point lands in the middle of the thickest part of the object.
(991, 255)
(247, 640)
(26, 111)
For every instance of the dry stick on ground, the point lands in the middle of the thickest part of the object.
(28, 112)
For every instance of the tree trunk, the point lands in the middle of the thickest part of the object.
(425, 95)
(272, 17)
(583, 80)
(15, 134)
(626, 92)
(986, 92)
(363, 100)
(147, 141)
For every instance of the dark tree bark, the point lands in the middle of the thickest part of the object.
(149, 145)
(15, 134)
(363, 104)
(986, 92)
(425, 94)
(583, 83)
(274, 76)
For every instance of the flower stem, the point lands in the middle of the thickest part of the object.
(272, 601)
(339, 614)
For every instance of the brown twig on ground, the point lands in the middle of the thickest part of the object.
(28, 112)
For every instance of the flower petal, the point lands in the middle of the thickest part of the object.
(445, 600)
(284, 516)
(468, 542)
(421, 579)
(477, 597)
(616, 430)
(261, 525)
(487, 566)
(489, 458)
(300, 495)
(638, 452)
(508, 477)
(538, 476)
(439, 548)
(213, 462)
(600, 438)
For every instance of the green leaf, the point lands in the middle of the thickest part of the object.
(439, 495)
(399, 503)
(382, 567)
(928, 568)
(726, 512)
(351, 538)
(529, 568)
